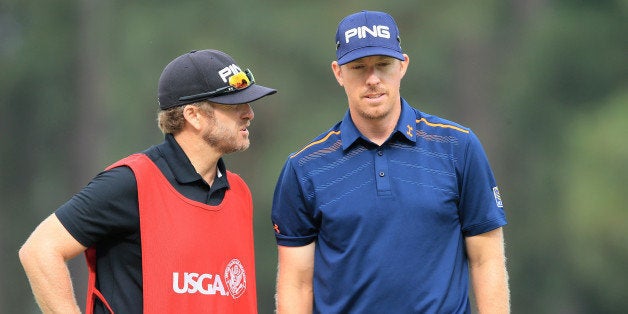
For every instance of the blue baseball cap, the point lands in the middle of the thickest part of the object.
(367, 33)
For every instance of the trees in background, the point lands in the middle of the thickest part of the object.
(542, 83)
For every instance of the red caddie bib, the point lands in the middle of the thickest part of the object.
(196, 258)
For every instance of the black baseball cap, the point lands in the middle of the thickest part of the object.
(207, 75)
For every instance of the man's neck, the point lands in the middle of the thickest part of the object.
(376, 130)
(203, 157)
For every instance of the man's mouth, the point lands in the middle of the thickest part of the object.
(374, 95)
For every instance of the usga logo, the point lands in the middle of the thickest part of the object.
(378, 31)
(229, 71)
(213, 284)
(236, 278)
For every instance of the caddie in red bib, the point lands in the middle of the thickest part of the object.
(168, 229)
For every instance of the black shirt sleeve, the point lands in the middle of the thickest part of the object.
(105, 208)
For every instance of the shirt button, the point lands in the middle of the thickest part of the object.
(380, 153)
(381, 173)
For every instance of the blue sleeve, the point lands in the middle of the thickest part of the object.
(481, 209)
(292, 219)
(107, 206)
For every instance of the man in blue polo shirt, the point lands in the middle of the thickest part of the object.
(392, 210)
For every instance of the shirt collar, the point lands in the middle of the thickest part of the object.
(407, 121)
(406, 126)
(181, 166)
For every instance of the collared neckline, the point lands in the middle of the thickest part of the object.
(182, 167)
(406, 126)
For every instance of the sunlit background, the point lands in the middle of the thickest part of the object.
(542, 83)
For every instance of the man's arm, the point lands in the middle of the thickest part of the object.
(294, 279)
(44, 257)
(487, 264)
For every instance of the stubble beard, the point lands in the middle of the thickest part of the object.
(374, 114)
(225, 141)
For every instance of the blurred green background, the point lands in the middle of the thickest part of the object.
(542, 83)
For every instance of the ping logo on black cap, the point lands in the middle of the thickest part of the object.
(228, 71)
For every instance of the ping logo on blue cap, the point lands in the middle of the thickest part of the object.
(382, 31)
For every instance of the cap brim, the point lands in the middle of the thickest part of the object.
(247, 95)
(369, 51)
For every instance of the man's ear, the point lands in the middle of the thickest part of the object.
(404, 64)
(191, 115)
(335, 68)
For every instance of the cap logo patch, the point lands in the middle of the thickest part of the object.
(228, 71)
(381, 31)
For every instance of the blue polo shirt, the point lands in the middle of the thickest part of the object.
(389, 221)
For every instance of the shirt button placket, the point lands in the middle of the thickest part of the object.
(381, 167)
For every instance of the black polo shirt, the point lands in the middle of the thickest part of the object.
(105, 214)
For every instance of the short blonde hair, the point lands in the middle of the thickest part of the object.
(171, 120)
